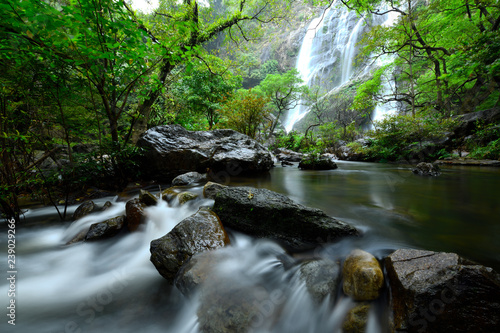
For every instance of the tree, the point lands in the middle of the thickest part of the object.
(245, 112)
(441, 51)
(206, 87)
(284, 92)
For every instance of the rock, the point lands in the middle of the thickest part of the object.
(285, 163)
(80, 237)
(105, 229)
(173, 150)
(136, 216)
(442, 292)
(427, 169)
(470, 121)
(287, 155)
(322, 277)
(211, 189)
(170, 193)
(147, 198)
(322, 162)
(106, 205)
(268, 214)
(196, 270)
(189, 178)
(356, 319)
(83, 210)
(363, 276)
(348, 154)
(235, 305)
(198, 233)
(186, 196)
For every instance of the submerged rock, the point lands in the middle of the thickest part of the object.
(105, 229)
(363, 276)
(427, 169)
(442, 292)
(322, 277)
(198, 233)
(136, 216)
(357, 318)
(173, 150)
(84, 209)
(268, 214)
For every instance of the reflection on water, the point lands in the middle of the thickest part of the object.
(456, 212)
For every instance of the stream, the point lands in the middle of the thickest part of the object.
(111, 286)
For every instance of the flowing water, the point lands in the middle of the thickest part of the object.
(111, 286)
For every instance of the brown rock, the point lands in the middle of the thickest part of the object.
(356, 319)
(135, 213)
(363, 277)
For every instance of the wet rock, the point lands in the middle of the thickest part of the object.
(427, 169)
(147, 198)
(363, 276)
(80, 237)
(356, 319)
(196, 270)
(170, 193)
(285, 163)
(322, 277)
(189, 178)
(136, 216)
(198, 233)
(236, 305)
(106, 205)
(287, 155)
(173, 150)
(211, 189)
(186, 196)
(84, 209)
(105, 229)
(442, 292)
(321, 162)
(268, 214)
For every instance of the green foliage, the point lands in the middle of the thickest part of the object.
(245, 112)
(206, 87)
(292, 140)
(403, 137)
(485, 143)
(333, 134)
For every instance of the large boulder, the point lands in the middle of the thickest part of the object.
(363, 276)
(173, 150)
(264, 213)
(198, 233)
(189, 178)
(442, 292)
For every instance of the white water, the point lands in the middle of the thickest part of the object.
(329, 45)
(111, 285)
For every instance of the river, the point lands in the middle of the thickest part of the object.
(111, 286)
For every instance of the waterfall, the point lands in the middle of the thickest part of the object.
(327, 53)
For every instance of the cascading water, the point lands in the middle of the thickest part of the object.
(111, 285)
(327, 53)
